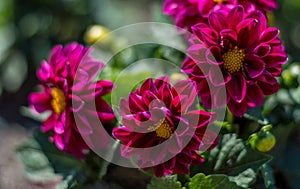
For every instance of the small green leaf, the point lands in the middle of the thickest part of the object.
(267, 174)
(200, 181)
(168, 182)
(244, 179)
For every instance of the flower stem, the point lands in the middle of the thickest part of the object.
(229, 117)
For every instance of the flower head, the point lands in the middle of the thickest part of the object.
(245, 49)
(68, 87)
(159, 127)
(187, 13)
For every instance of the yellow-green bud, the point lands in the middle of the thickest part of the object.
(263, 140)
(95, 33)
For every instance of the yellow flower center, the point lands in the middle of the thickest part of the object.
(233, 60)
(162, 129)
(219, 1)
(58, 101)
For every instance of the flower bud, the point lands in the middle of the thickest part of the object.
(263, 140)
(95, 33)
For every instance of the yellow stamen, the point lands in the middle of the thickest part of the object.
(233, 60)
(219, 1)
(58, 101)
(162, 129)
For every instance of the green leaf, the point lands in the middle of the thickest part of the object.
(245, 179)
(267, 174)
(36, 164)
(231, 156)
(200, 181)
(43, 162)
(168, 182)
(61, 162)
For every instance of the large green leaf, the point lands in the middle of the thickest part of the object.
(231, 156)
(44, 163)
(61, 162)
(200, 181)
(36, 165)
(169, 182)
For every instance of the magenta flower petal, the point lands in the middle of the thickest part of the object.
(213, 55)
(216, 78)
(187, 13)
(205, 34)
(235, 16)
(105, 86)
(49, 123)
(40, 101)
(44, 71)
(275, 59)
(81, 81)
(59, 126)
(92, 68)
(165, 94)
(254, 66)
(268, 84)
(255, 95)
(217, 100)
(236, 108)
(136, 103)
(185, 87)
(205, 7)
(196, 52)
(217, 20)
(59, 142)
(247, 33)
(229, 38)
(262, 50)
(237, 88)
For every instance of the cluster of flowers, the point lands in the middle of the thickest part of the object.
(231, 36)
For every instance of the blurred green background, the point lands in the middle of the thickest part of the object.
(29, 29)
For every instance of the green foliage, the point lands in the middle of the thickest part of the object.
(231, 156)
(200, 181)
(61, 162)
(169, 182)
(267, 174)
(45, 163)
(245, 179)
(36, 165)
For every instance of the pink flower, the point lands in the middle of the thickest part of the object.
(187, 13)
(245, 49)
(158, 115)
(64, 94)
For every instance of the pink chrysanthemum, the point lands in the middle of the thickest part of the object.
(64, 94)
(187, 13)
(157, 113)
(248, 53)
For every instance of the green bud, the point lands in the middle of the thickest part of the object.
(263, 140)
